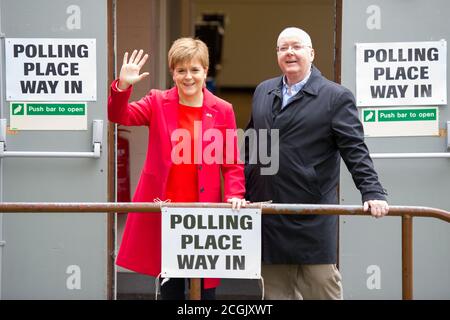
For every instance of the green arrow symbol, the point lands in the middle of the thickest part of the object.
(18, 109)
(369, 116)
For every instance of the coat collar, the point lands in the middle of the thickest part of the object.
(276, 87)
(170, 110)
(311, 87)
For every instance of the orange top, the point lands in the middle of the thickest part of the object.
(182, 184)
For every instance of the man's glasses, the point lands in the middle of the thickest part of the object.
(294, 47)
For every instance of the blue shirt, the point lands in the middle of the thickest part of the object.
(290, 91)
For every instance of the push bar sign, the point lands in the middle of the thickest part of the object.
(211, 243)
(50, 69)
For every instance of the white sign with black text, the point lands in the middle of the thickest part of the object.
(211, 243)
(401, 73)
(50, 69)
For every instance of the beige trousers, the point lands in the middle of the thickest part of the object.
(298, 282)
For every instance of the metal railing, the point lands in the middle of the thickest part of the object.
(406, 213)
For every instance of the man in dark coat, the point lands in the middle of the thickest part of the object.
(317, 123)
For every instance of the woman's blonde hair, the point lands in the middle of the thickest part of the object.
(187, 49)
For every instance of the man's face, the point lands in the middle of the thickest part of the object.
(294, 58)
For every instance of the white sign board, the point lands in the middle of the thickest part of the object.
(401, 73)
(211, 243)
(48, 116)
(50, 69)
(400, 121)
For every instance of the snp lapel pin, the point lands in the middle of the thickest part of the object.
(209, 115)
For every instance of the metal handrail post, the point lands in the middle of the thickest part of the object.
(407, 257)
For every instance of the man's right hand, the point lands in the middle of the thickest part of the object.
(129, 73)
(378, 208)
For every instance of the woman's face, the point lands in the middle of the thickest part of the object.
(189, 78)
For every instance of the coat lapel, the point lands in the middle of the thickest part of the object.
(170, 110)
(209, 110)
(276, 97)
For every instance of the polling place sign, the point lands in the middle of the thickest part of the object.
(401, 73)
(211, 243)
(50, 69)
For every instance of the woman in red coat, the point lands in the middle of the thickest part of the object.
(170, 172)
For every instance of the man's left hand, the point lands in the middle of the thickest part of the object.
(378, 208)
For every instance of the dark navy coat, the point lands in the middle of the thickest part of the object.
(317, 127)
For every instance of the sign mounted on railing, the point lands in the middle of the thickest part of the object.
(50, 69)
(401, 73)
(211, 243)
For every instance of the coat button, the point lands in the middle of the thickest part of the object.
(202, 189)
(199, 167)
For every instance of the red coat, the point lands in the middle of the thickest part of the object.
(140, 250)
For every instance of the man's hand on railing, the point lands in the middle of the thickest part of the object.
(378, 208)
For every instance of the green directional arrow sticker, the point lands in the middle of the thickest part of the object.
(369, 115)
(18, 109)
